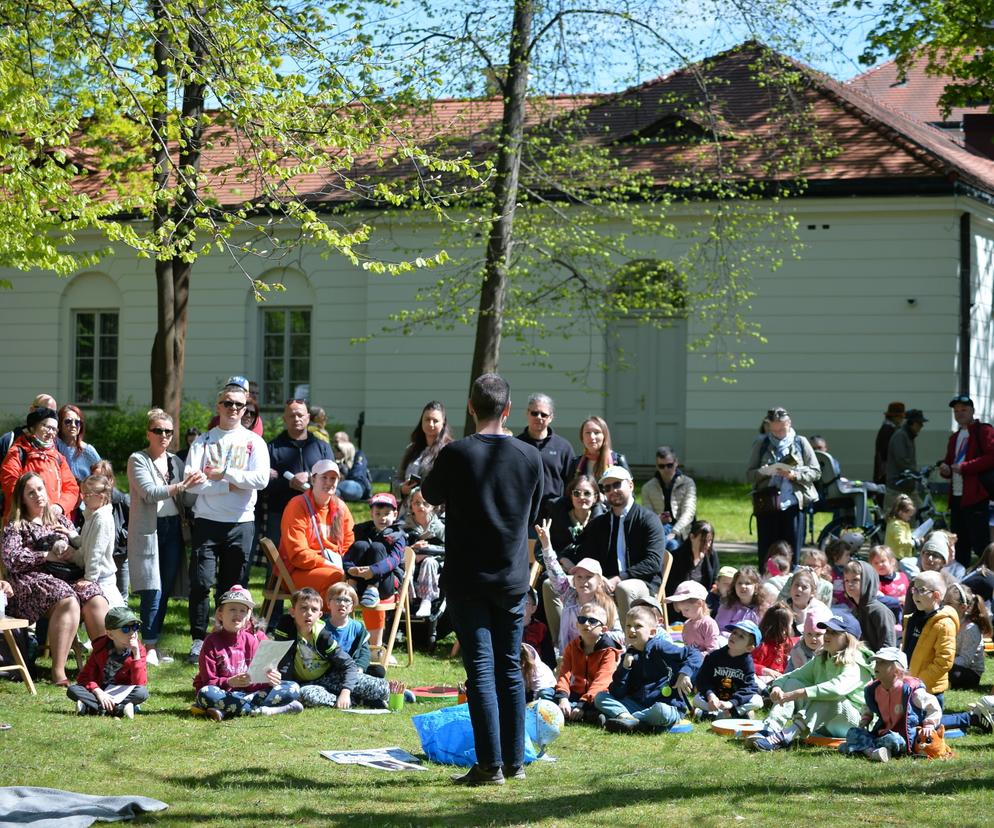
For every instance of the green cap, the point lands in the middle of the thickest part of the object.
(118, 617)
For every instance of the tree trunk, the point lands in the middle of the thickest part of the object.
(490, 321)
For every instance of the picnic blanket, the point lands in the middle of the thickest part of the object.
(51, 808)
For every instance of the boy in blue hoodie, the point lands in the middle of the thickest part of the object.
(377, 552)
(652, 681)
(726, 683)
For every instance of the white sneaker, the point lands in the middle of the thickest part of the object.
(984, 708)
(194, 656)
(881, 754)
(129, 711)
(424, 608)
(151, 657)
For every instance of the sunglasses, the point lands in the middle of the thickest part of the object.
(582, 493)
(161, 432)
(610, 487)
(232, 404)
(589, 621)
(69, 421)
(127, 629)
(542, 414)
(665, 465)
(777, 414)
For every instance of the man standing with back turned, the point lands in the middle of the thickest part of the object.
(491, 486)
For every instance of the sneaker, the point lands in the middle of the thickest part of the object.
(370, 597)
(881, 754)
(410, 698)
(128, 711)
(477, 776)
(424, 608)
(514, 772)
(80, 709)
(769, 741)
(215, 714)
(195, 647)
(152, 657)
(622, 724)
(165, 659)
(601, 721)
(983, 709)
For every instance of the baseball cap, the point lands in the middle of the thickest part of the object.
(323, 466)
(687, 590)
(118, 617)
(648, 601)
(383, 499)
(961, 399)
(615, 473)
(892, 654)
(589, 565)
(237, 381)
(747, 626)
(726, 572)
(842, 623)
(237, 595)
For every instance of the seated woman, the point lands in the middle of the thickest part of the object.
(35, 535)
(425, 532)
(597, 455)
(356, 485)
(695, 560)
(317, 529)
(35, 451)
(80, 454)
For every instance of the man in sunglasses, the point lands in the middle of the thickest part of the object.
(969, 456)
(235, 462)
(673, 496)
(627, 540)
(556, 451)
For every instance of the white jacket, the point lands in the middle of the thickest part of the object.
(683, 500)
(246, 459)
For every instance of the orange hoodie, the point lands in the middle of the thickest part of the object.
(587, 675)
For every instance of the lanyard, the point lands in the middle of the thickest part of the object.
(314, 521)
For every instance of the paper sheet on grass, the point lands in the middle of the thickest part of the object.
(391, 759)
(267, 656)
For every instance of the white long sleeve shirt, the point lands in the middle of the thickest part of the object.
(244, 456)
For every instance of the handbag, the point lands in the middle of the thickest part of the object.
(64, 571)
(765, 501)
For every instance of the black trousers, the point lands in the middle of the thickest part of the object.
(970, 525)
(787, 525)
(219, 558)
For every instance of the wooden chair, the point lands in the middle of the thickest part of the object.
(400, 603)
(279, 586)
(661, 594)
(8, 625)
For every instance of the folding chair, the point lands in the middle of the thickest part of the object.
(661, 594)
(8, 625)
(279, 586)
(400, 603)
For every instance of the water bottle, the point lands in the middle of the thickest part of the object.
(288, 475)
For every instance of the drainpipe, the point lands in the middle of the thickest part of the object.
(965, 296)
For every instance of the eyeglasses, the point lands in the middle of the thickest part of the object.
(610, 487)
(589, 621)
(251, 412)
(542, 414)
(161, 432)
(582, 493)
(127, 629)
(921, 590)
(665, 465)
(232, 404)
(46, 427)
(342, 600)
(69, 421)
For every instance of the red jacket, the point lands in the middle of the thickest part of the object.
(979, 458)
(586, 675)
(133, 671)
(59, 481)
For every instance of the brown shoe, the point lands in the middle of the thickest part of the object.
(477, 776)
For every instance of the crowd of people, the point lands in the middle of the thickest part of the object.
(809, 641)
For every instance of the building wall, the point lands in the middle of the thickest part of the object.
(842, 339)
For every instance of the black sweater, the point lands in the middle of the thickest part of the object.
(491, 486)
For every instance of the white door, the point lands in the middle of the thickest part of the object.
(647, 388)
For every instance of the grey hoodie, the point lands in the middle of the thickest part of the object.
(876, 620)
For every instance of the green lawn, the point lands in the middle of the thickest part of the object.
(268, 771)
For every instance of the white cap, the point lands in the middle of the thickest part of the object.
(688, 590)
(615, 473)
(323, 466)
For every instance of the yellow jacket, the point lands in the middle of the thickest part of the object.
(935, 650)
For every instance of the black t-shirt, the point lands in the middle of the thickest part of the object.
(491, 486)
(557, 455)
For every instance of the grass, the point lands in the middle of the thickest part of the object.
(268, 771)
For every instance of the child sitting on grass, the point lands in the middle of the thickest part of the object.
(326, 673)
(811, 640)
(720, 589)
(536, 633)
(875, 620)
(900, 705)
(540, 681)
(975, 625)
(117, 662)
(893, 582)
(700, 630)
(726, 683)
(771, 658)
(778, 562)
(743, 600)
(641, 695)
(223, 686)
(350, 633)
(930, 634)
(823, 697)
(588, 665)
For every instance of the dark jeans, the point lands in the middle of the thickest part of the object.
(77, 692)
(969, 524)
(219, 559)
(154, 602)
(489, 632)
(367, 553)
(781, 526)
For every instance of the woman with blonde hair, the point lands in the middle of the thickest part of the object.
(597, 455)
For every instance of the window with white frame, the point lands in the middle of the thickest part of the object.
(286, 355)
(95, 350)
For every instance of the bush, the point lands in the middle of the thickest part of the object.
(118, 432)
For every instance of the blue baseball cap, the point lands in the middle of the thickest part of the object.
(842, 623)
(748, 627)
(240, 382)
